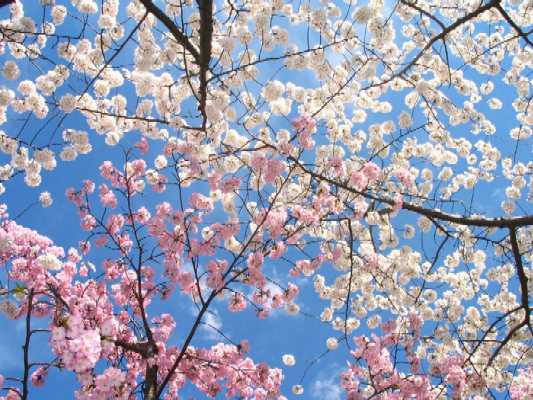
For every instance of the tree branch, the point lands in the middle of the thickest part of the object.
(430, 213)
(26, 348)
(206, 35)
(507, 17)
(171, 26)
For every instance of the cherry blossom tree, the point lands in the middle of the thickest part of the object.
(380, 150)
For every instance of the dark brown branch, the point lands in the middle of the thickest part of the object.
(502, 344)
(520, 271)
(186, 343)
(522, 278)
(448, 30)
(427, 212)
(215, 293)
(206, 35)
(347, 307)
(139, 348)
(26, 348)
(150, 383)
(483, 338)
(116, 53)
(510, 21)
(441, 36)
(171, 26)
(439, 23)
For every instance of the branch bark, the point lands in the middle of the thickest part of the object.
(206, 36)
(510, 21)
(499, 222)
(180, 37)
(26, 348)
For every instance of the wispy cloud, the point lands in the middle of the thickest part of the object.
(326, 387)
(212, 325)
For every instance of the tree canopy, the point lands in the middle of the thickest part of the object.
(363, 166)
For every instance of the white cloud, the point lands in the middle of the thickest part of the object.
(326, 389)
(211, 325)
